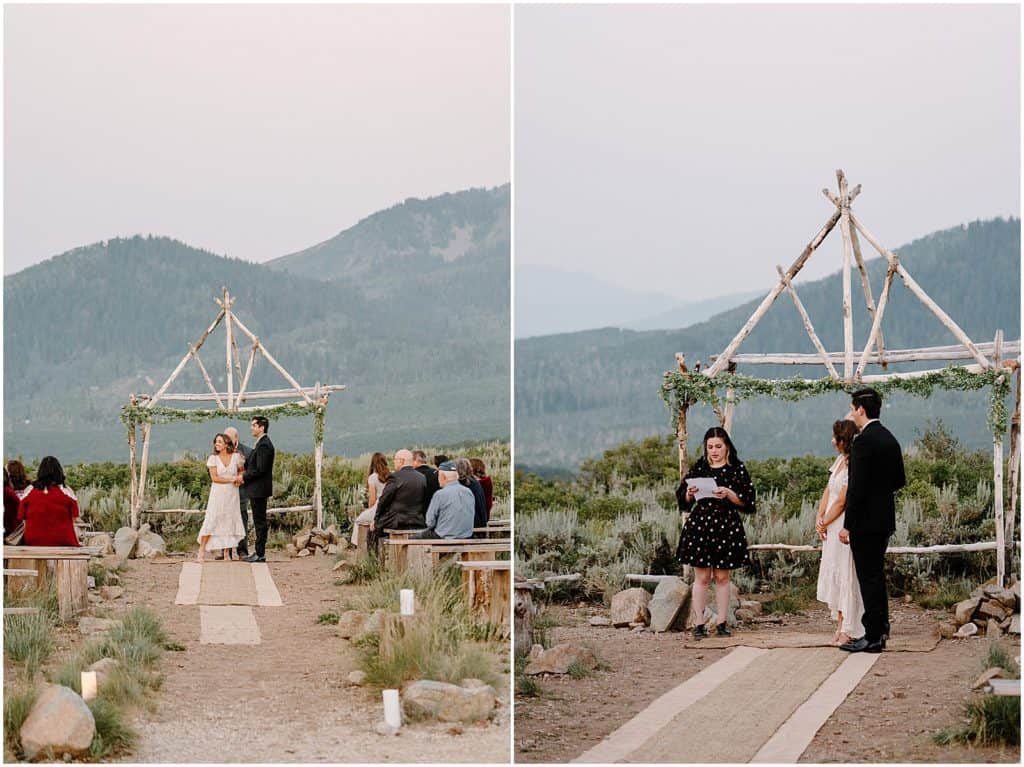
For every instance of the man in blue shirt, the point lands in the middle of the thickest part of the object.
(450, 514)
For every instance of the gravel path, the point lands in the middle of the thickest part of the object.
(287, 699)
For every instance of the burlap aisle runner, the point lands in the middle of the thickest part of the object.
(219, 583)
(227, 625)
(733, 721)
(773, 640)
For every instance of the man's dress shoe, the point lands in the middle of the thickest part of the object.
(864, 645)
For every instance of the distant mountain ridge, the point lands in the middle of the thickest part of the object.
(580, 393)
(429, 362)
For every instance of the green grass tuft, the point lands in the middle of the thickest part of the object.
(17, 706)
(945, 594)
(990, 719)
(328, 619)
(112, 732)
(27, 640)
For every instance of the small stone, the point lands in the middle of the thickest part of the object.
(899, 694)
(1014, 624)
(333, 548)
(301, 540)
(559, 658)
(1007, 599)
(318, 540)
(66, 756)
(332, 534)
(305, 553)
(600, 620)
(947, 630)
(111, 592)
(638, 629)
(986, 675)
(907, 599)
(535, 652)
(58, 721)
(670, 598)
(339, 566)
(357, 677)
(351, 624)
(744, 615)
(964, 610)
(967, 630)
(637, 624)
(125, 540)
(753, 605)
(149, 544)
(385, 729)
(630, 606)
(992, 629)
(290, 550)
(103, 668)
(90, 581)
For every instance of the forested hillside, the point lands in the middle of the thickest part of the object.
(578, 394)
(427, 362)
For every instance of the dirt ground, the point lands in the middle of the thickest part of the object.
(287, 699)
(889, 717)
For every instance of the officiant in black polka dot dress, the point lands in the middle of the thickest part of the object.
(713, 541)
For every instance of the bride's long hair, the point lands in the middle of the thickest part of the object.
(843, 432)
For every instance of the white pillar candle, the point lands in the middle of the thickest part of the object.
(88, 685)
(392, 708)
(407, 601)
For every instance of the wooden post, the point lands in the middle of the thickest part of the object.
(844, 229)
(184, 360)
(206, 377)
(681, 436)
(807, 323)
(227, 349)
(134, 488)
(1010, 533)
(876, 323)
(318, 460)
(524, 610)
(997, 482)
(865, 284)
(923, 297)
(141, 496)
(730, 403)
(724, 357)
(248, 372)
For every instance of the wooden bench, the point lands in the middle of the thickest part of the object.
(72, 572)
(487, 585)
(492, 531)
(399, 553)
(467, 552)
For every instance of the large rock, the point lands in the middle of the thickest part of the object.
(559, 658)
(111, 592)
(753, 605)
(58, 722)
(1014, 624)
(671, 596)
(630, 606)
(88, 625)
(1007, 599)
(992, 629)
(352, 624)
(103, 668)
(600, 620)
(426, 699)
(105, 541)
(150, 544)
(125, 540)
(964, 611)
(991, 609)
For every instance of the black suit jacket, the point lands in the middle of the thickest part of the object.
(430, 474)
(401, 505)
(259, 468)
(876, 473)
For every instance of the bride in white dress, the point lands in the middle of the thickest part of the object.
(222, 526)
(837, 577)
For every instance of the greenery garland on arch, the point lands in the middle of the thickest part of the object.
(680, 389)
(132, 415)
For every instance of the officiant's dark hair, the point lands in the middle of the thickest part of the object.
(722, 434)
(868, 399)
(844, 431)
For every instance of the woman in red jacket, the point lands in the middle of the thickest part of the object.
(50, 509)
(11, 502)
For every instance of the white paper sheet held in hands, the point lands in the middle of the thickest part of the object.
(705, 486)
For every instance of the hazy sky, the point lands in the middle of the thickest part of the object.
(251, 131)
(683, 148)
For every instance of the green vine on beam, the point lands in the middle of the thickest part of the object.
(679, 389)
(133, 415)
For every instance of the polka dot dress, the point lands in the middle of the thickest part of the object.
(713, 535)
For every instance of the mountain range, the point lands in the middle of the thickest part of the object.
(409, 309)
(550, 300)
(580, 393)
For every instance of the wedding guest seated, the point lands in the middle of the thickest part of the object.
(439, 459)
(480, 472)
(451, 510)
(19, 479)
(466, 478)
(50, 509)
(400, 505)
(11, 503)
(419, 462)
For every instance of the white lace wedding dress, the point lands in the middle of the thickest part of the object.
(837, 576)
(223, 520)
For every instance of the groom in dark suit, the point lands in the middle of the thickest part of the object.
(258, 482)
(876, 473)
